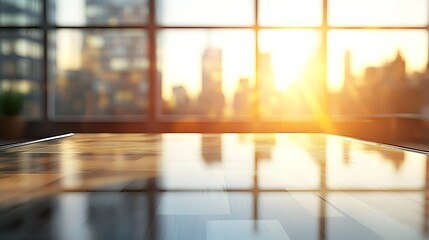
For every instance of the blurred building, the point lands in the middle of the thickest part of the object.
(242, 98)
(182, 102)
(383, 90)
(114, 12)
(212, 99)
(349, 103)
(21, 52)
(114, 73)
(21, 13)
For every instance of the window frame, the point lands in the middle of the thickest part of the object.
(154, 121)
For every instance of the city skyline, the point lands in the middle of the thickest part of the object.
(113, 64)
(392, 73)
(178, 67)
(414, 48)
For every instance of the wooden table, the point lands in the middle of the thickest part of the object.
(212, 186)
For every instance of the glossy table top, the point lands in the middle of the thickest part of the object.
(214, 187)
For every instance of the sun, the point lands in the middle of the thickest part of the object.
(291, 52)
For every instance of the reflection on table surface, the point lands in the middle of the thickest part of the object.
(212, 186)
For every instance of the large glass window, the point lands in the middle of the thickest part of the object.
(100, 73)
(290, 13)
(100, 65)
(21, 67)
(98, 12)
(378, 12)
(290, 73)
(20, 12)
(196, 60)
(205, 12)
(377, 71)
(209, 73)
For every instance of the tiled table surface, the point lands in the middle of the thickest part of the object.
(212, 186)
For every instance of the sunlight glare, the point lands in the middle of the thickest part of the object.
(291, 52)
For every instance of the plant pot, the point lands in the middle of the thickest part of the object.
(12, 127)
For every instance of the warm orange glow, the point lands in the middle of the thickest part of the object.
(291, 52)
(292, 71)
(374, 48)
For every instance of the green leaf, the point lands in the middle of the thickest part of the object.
(11, 103)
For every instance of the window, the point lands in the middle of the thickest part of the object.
(377, 71)
(290, 73)
(206, 73)
(94, 73)
(20, 12)
(21, 50)
(378, 13)
(205, 13)
(241, 61)
(98, 13)
(290, 12)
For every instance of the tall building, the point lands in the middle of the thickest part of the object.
(113, 12)
(242, 98)
(114, 60)
(181, 100)
(349, 101)
(20, 13)
(21, 52)
(212, 100)
(384, 90)
(396, 72)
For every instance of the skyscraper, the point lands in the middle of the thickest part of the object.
(396, 70)
(20, 13)
(212, 100)
(114, 62)
(114, 12)
(21, 52)
(181, 100)
(242, 98)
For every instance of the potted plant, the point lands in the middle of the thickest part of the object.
(11, 106)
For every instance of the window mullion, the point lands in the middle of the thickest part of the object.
(45, 73)
(256, 95)
(153, 94)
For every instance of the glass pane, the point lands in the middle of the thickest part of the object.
(290, 12)
(205, 12)
(207, 72)
(20, 12)
(378, 12)
(99, 12)
(378, 72)
(290, 73)
(21, 67)
(100, 73)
